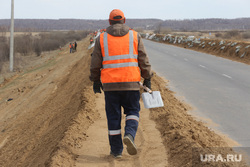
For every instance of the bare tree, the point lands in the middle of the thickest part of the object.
(158, 28)
(23, 44)
(3, 30)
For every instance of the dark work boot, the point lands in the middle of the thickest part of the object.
(129, 142)
(119, 155)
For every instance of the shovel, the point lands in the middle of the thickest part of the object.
(151, 99)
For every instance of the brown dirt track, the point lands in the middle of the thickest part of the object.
(49, 122)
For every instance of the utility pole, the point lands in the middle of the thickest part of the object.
(12, 37)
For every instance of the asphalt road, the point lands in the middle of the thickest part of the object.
(217, 88)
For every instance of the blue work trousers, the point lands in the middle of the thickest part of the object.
(114, 100)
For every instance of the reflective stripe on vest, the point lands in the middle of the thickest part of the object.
(119, 57)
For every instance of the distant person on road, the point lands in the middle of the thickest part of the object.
(70, 48)
(75, 45)
(117, 64)
(91, 40)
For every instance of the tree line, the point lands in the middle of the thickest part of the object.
(148, 24)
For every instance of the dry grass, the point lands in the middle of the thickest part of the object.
(29, 43)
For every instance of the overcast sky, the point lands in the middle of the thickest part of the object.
(100, 9)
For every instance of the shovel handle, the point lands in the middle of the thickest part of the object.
(145, 88)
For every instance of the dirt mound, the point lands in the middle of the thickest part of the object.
(46, 102)
(63, 154)
(227, 50)
(230, 49)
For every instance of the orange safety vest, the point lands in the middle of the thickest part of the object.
(120, 58)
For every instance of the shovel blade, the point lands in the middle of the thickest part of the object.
(91, 45)
(152, 100)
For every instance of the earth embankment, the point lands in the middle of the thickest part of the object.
(48, 122)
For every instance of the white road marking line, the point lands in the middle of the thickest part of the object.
(225, 75)
(202, 66)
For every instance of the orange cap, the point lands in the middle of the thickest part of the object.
(116, 15)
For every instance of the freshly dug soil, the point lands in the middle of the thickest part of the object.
(55, 119)
(46, 101)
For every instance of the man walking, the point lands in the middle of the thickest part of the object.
(75, 46)
(117, 64)
(70, 48)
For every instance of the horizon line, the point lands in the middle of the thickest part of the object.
(126, 19)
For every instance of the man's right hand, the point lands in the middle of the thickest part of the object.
(147, 83)
(97, 86)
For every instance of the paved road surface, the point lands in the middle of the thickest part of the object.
(217, 88)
